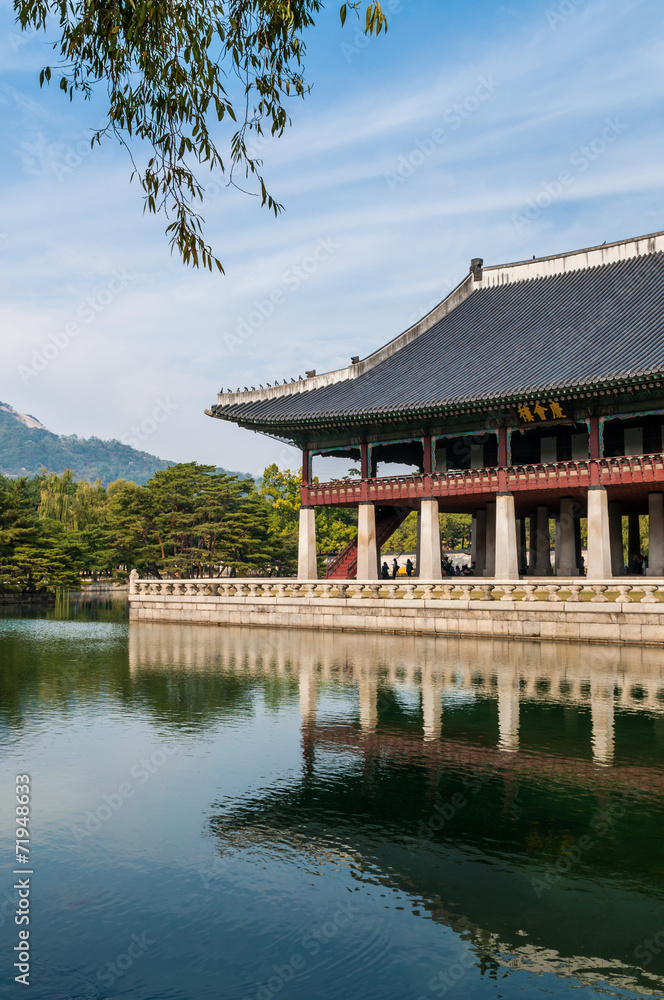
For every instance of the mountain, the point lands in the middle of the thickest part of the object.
(26, 446)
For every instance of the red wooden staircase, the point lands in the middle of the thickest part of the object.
(344, 565)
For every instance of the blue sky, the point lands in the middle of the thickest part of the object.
(414, 153)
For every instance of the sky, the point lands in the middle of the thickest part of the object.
(416, 151)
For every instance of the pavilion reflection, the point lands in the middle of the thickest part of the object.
(513, 674)
(383, 759)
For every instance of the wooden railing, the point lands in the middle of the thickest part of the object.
(628, 470)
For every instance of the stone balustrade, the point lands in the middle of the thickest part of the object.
(573, 591)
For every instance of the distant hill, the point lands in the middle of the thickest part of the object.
(26, 446)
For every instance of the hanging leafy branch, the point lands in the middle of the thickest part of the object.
(168, 67)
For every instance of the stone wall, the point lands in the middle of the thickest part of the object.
(603, 622)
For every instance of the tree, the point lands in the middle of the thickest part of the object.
(35, 554)
(174, 71)
(335, 527)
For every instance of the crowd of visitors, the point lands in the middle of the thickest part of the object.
(447, 568)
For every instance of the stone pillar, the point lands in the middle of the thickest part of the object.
(508, 710)
(616, 536)
(542, 543)
(307, 568)
(601, 708)
(599, 543)
(520, 542)
(568, 564)
(524, 546)
(490, 565)
(473, 540)
(367, 551)
(633, 539)
(506, 552)
(656, 534)
(480, 560)
(429, 559)
(532, 552)
(578, 545)
(556, 547)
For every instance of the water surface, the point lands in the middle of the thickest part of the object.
(239, 813)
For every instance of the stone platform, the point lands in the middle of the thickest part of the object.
(575, 610)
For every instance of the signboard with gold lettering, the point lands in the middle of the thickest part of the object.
(540, 411)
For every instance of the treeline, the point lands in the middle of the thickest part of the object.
(187, 521)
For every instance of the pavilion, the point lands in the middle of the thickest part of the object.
(533, 391)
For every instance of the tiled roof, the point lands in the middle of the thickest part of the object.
(588, 326)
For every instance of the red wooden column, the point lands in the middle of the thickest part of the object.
(306, 478)
(364, 460)
(593, 433)
(502, 459)
(593, 430)
(502, 447)
(428, 455)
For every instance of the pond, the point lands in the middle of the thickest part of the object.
(226, 813)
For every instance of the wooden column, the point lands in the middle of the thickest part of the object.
(593, 434)
(593, 431)
(306, 467)
(364, 460)
(428, 457)
(502, 447)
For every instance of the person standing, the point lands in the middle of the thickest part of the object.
(395, 569)
(409, 568)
